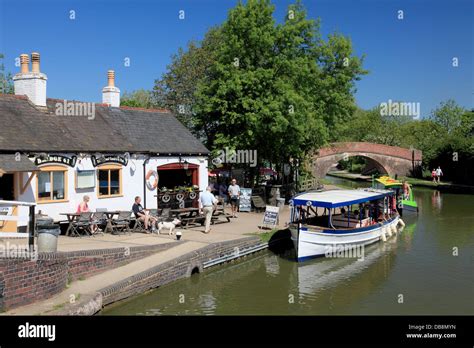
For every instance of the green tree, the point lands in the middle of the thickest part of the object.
(270, 87)
(6, 81)
(449, 115)
(254, 84)
(139, 98)
(176, 88)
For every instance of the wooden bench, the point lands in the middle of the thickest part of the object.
(219, 215)
(341, 221)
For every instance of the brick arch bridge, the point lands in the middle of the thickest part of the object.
(387, 159)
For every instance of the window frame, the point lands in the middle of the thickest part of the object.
(108, 168)
(51, 169)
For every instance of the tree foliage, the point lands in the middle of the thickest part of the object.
(6, 81)
(254, 84)
(139, 98)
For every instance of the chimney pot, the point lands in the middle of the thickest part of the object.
(111, 78)
(24, 61)
(35, 62)
(31, 83)
(110, 93)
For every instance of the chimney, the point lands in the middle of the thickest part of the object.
(111, 94)
(32, 84)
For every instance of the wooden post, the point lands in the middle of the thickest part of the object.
(31, 229)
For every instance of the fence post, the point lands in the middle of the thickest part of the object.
(31, 229)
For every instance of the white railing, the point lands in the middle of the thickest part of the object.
(30, 219)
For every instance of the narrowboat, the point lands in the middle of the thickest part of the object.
(323, 222)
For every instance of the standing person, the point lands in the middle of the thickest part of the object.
(223, 192)
(234, 194)
(208, 204)
(439, 173)
(433, 174)
(83, 207)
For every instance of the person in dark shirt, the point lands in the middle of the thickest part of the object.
(143, 215)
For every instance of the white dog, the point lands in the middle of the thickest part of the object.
(168, 225)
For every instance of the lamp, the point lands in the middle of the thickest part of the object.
(184, 162)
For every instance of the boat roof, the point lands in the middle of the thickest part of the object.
(339, 198)
(388, 181)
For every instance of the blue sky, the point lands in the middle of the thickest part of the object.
(409, 60)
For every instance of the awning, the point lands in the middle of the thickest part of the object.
(10, 163)
(339, 198)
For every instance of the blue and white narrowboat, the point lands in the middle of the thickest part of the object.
(323, 222)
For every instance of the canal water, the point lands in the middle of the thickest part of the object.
(427, 269)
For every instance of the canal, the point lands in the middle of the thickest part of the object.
(427, 269)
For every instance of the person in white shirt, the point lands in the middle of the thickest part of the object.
(439, 172)
(234, 194)
(208, 203)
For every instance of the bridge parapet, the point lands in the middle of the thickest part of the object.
(364, 148)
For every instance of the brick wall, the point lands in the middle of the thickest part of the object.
(26, 280)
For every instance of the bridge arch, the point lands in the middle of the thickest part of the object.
(391, 160)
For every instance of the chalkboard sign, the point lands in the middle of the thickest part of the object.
(245, 204)
(270, 218)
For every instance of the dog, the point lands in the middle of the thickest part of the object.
(171, 225)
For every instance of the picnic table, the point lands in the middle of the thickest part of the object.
(188, 215)
(71, 217)
(110, 216)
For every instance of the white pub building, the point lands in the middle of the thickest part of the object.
(53, 151)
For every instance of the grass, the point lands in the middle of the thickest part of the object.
(264, 236)
(422, 182)
(69, 280)
(58, 306)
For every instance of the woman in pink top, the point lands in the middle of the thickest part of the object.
(83, 207)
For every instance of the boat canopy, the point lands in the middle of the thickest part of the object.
(339, 198)
(388, 181)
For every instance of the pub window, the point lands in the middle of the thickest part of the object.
(52, 185)
(110, 181)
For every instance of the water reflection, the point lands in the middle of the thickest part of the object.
(328, 273)
(436, 201)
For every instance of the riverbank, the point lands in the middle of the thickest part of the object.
(443, 186)
(88, 277)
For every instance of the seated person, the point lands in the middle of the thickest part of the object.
(142, 215)
(83, 207)
(343, 212)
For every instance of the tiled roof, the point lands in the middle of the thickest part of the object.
(11, 163)
(23, 127)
